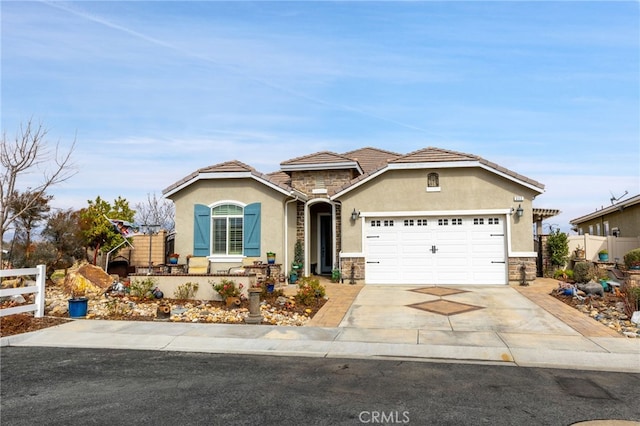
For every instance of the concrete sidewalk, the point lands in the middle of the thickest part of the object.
(497, 325)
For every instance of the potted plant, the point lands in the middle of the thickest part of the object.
(603, 255)
(271, 284)
(579, 253)
(228, 290)
(271, 257)
(293, 275)
(298, 256)
(632, 259)
(173, 258)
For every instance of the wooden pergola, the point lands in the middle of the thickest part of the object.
(541, 214)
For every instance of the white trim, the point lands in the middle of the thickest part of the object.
(225, 175)
(523, 254)
(356, 185)
(322, 166)
(438, 165)
(223, 202)
(511, 178)
(234, 258)
(606, 210)
(436, 213)
(433, 189)
(354, 254)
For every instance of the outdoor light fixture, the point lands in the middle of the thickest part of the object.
(519, 211)
(355, 215)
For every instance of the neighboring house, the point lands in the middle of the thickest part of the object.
(433, 216)
(621, 219)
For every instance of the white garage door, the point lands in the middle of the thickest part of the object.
(435, 250)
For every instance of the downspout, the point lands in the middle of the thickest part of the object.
(286, 232)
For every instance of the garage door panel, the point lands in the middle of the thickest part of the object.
(468, 250)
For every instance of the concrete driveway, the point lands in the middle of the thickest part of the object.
(450, 308)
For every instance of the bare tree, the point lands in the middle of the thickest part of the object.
(156, 211)
(29, 151)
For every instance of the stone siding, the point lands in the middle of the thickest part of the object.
(307, 181)
(345, 267)
(516, 272)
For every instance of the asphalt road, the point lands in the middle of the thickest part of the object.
(56, 386)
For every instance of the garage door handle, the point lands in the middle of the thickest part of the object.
(372, 262)
(373, 236)
(496, 261)
(497, 235)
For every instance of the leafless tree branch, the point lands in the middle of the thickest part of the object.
(27, 152)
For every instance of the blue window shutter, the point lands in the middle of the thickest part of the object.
(201, 230)
(251, 229)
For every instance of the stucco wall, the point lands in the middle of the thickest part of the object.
(461, 189)
(627, 221)
(245, 191)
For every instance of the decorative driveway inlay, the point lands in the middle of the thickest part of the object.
(444, 307)
(438, 291)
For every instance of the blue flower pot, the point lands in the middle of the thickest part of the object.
(78, 307)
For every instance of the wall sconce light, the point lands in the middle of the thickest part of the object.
(519, 211)
(355, 215)
(615, 232)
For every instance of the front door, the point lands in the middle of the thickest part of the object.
(325, 244)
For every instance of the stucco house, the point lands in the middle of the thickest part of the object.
(433, 216)
(620, 219)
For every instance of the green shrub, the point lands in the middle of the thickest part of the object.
(632, 258)
(227, 288)
(309, 291)
(117, 308)
(143, 289)
(582, 272)
(186, 291)
(558, 248)
(631, 299)
(565, 274)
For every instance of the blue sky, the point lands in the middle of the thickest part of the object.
(152, 91)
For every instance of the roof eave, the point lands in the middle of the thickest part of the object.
(321, 166)
(441, 165)
(610, 209)
(228, 175)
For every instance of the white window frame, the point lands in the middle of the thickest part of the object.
(226, 257)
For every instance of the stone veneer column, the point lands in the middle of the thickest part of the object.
(516, 272)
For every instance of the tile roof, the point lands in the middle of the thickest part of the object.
(323, 157)
(233, 166)
(371, 158)
(280, 177)
(434, 155)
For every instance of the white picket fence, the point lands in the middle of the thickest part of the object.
(38, 306)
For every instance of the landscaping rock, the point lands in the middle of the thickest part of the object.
(92, 279)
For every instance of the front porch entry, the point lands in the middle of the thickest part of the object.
(321, 237)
